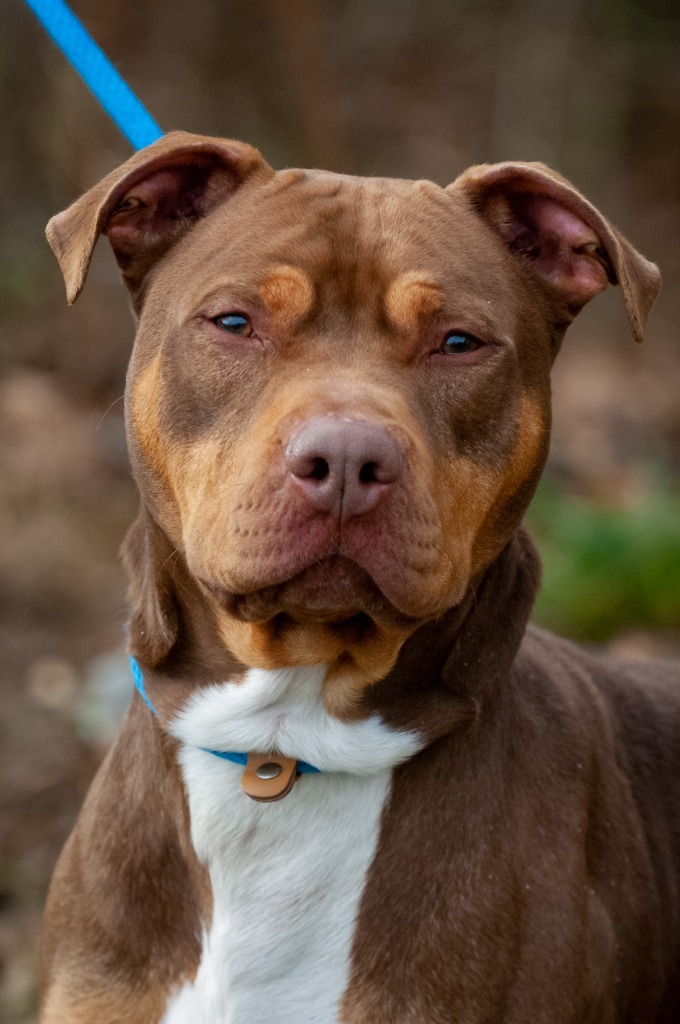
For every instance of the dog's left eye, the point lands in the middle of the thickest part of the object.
(458, 342)
(234, 323)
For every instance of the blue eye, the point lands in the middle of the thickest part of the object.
(234, 323)
(458, 342)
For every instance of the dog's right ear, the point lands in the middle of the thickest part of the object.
(149, 202)
(148, 558)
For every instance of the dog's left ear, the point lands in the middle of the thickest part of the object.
(571, 247)
(149, 202)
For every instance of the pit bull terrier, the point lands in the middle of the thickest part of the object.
(338, 409)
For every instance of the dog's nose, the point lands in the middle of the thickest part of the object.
(343, 466)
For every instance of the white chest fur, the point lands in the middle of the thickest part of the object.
(286, 877)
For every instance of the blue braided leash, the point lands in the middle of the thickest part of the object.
(97, 71)
(237, 758)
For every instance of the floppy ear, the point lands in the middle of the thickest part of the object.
(573, 249)
(148, 557)
(149, 202)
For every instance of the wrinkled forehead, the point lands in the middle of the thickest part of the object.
(415, 246)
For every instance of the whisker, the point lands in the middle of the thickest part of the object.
(115, 402)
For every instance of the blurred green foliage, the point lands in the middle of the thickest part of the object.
(605, 568)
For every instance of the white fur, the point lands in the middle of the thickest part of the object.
(283, 710)
(286, 877)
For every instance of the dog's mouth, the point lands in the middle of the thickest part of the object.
(333, 591)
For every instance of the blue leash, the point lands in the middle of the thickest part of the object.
(138, 677)
(97, 71)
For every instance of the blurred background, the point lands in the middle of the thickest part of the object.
(417, 88)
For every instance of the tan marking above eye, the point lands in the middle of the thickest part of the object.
(287, 292)
(410, 298)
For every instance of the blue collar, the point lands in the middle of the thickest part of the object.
(242, 759)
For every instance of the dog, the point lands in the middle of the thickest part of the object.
(338, 409)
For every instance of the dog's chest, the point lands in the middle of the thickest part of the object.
(286, 877)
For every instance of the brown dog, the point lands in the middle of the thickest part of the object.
(338, 409)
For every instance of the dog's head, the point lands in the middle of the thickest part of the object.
(338, 403)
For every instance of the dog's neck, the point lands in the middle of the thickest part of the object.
(458, 659)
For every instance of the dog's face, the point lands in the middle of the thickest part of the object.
(306, 311)
(338, 402)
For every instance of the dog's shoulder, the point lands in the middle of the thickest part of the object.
(644, 690)
(624, 717)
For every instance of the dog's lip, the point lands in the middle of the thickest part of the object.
(332, 590)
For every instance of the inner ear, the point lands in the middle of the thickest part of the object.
(148, 215)
(567, 253)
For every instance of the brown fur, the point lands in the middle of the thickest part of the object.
(547, 889)
(528, 862)
(112, 958)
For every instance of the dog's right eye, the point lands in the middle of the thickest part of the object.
(234, 323)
